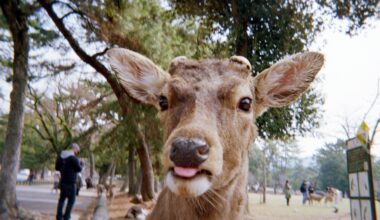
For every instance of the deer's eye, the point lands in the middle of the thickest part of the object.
(245, 104)
(163, 102)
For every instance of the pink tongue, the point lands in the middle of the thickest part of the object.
(185, 171)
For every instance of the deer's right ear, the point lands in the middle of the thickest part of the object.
(140, 77)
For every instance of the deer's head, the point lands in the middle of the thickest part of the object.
(208, 109)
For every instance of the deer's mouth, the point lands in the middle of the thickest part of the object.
(188, 173)
(188, 181)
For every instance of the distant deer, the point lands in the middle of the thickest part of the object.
(208, 110)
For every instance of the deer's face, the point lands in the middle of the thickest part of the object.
(208, 110)
(207, 114)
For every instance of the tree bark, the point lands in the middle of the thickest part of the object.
(112, 175)
(265, 184)
(92, 165)
(103, 178)
(275, 187)
(42, 176)
(17, 22)
(147, 184)
(125, 182)
(132, 186)
(91, 156)
(241, 40)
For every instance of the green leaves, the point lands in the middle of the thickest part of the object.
(39, 35)
(332, 166)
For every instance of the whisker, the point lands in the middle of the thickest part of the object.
(217, 194)
(210, 201)
(201, 207)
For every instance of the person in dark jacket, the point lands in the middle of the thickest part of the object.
(69, 167)
(304, 191)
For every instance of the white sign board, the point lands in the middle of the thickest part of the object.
(366, 209)
(364, 184)
(355, 210)
(354, 185)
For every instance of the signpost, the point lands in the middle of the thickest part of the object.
(359, 167)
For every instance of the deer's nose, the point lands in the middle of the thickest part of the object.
(188, 152)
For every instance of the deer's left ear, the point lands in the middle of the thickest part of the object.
(285, 81)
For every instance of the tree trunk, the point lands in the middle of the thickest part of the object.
(139, 181)
(17, 21)
(132, 186)
(92, 165)
(265, 185)
(91, 156)
(104, 176)
(275, 187)
(241, 24)
(125, 182)
(42, 176)
(112, 175)
(147, 184)
(157, 186)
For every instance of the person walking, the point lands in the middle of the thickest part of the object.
(304, 191)
(287, 192)
(30, 177)
(69, 167)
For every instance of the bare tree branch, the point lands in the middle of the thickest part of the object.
(100, 53)
(67, 15)
(90, 104)
(40, 134)
(374, 133)
(115, 85)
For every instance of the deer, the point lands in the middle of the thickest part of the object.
(208, 109)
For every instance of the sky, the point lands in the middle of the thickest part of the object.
(349, 83)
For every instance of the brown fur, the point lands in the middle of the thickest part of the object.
(110, 189)
(106, 188)
(203, 99)
(315, 198)
(100, 189)
(330, 195)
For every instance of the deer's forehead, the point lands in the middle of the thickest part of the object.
(216, 86)
(198, 70)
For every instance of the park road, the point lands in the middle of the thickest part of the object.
(40, 198)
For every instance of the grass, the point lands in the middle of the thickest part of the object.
(275, 208)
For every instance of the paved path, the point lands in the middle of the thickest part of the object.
(40, 198)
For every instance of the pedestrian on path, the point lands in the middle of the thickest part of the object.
(69, 167)
(304, 191)
(30, 177)
(287, 192)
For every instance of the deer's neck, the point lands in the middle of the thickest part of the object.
(226, 203)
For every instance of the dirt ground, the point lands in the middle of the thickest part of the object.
(87, 215)
(119, 206)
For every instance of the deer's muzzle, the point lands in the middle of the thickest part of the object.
(188, 152)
